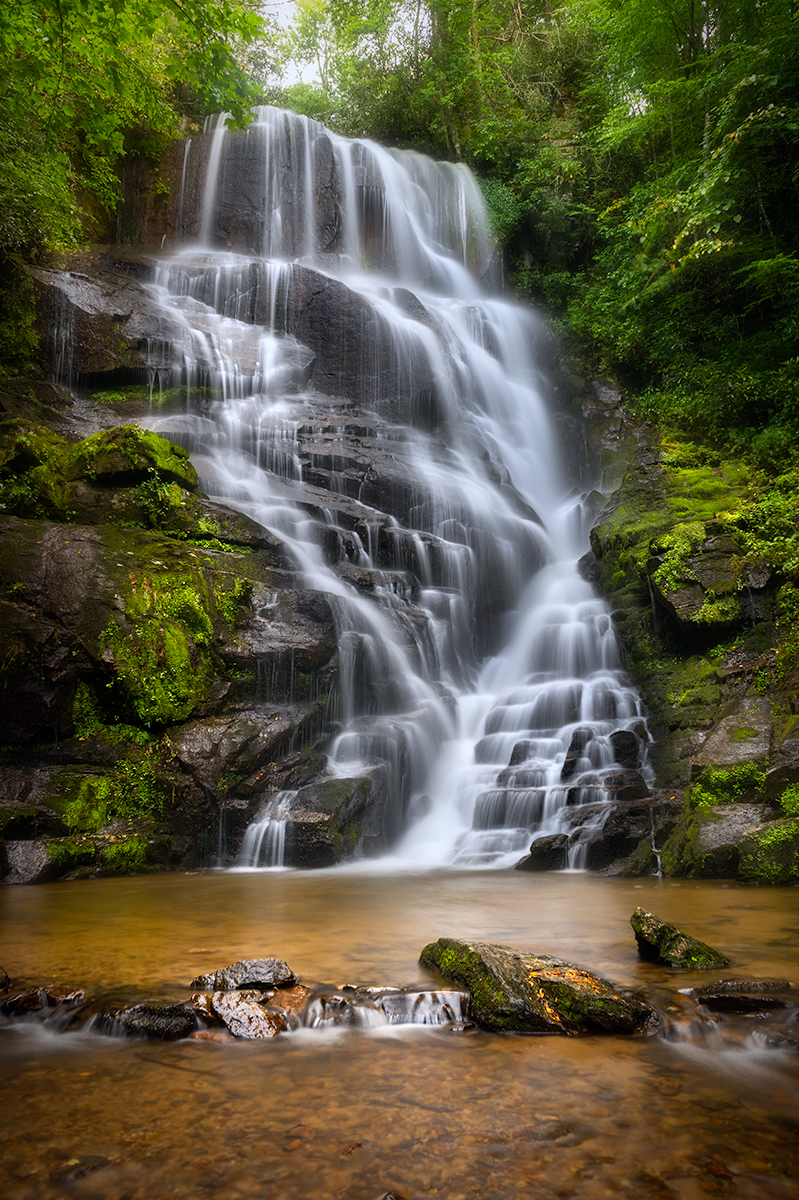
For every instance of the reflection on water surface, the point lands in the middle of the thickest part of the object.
(415, 1111)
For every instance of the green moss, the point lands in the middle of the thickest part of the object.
(158, 498)
(457, 963)
(679, 544)
(130, 452)
(771, 855)
(231, 599)
(126, 856)
(93, 805)
(19, 340)
(729, 785)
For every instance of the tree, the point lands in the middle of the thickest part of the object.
(77, 76)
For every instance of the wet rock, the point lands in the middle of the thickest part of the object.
(720, 835)
(237, 744)
(248, 973)
(659, 941)
(28, 862)
(739, 985)
(626, 749)
(336, 818)
(78, 1168)
(742, 737)
(289, 1003)
(20, 821)
(153, 1020)
(5, 982)
(626, 786)
(109, 321)
(516, 991)
(246, 1016)
(548, 853)
(41, 1000)
(579, 740)
(740, 1002)
(623, 837)
(709, 573)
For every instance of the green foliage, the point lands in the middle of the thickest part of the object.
(77, 79)
(158, 498)
(789, 800)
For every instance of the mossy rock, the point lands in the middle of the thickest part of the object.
(658, 941)
(512, 991)
(770, 854)
(126, 454)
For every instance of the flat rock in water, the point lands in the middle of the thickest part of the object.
(246, 1016)
(515, 991)
(248, 973)
(41, 999)
(163, 1022)
(658, 941)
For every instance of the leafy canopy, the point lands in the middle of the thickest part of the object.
(78, 77)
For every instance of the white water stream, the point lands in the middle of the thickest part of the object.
(480, 650)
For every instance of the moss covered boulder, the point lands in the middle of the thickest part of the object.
(513, 991)
(658, 941)
(770, 853)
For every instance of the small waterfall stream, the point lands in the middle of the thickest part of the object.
(354, 386)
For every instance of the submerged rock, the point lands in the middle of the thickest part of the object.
(247, 973)
(513, 991)
(658, 941)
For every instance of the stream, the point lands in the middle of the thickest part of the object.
(710, 1108)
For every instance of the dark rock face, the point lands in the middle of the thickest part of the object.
(548, 853)
(100, 323)
(658, 941)
(249, 973)
(514, 991)
(336, 818)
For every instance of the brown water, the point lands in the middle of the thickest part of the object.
(415, 1111)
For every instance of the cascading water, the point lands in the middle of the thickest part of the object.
(379, 411)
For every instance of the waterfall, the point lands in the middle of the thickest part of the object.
(353, 384)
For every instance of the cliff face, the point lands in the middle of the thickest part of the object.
(696, 554)
(139, 623)
(163, 668)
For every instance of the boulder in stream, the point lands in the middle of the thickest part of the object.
(152, 1019)
(243, 1012)
(660, 942)
(248, 973)
(513, 991)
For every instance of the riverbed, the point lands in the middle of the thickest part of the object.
(417, 1112)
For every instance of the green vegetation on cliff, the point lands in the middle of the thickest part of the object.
(84, 81)
(639, 161)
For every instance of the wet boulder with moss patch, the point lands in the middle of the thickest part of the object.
(658, 941)
(514, 991)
